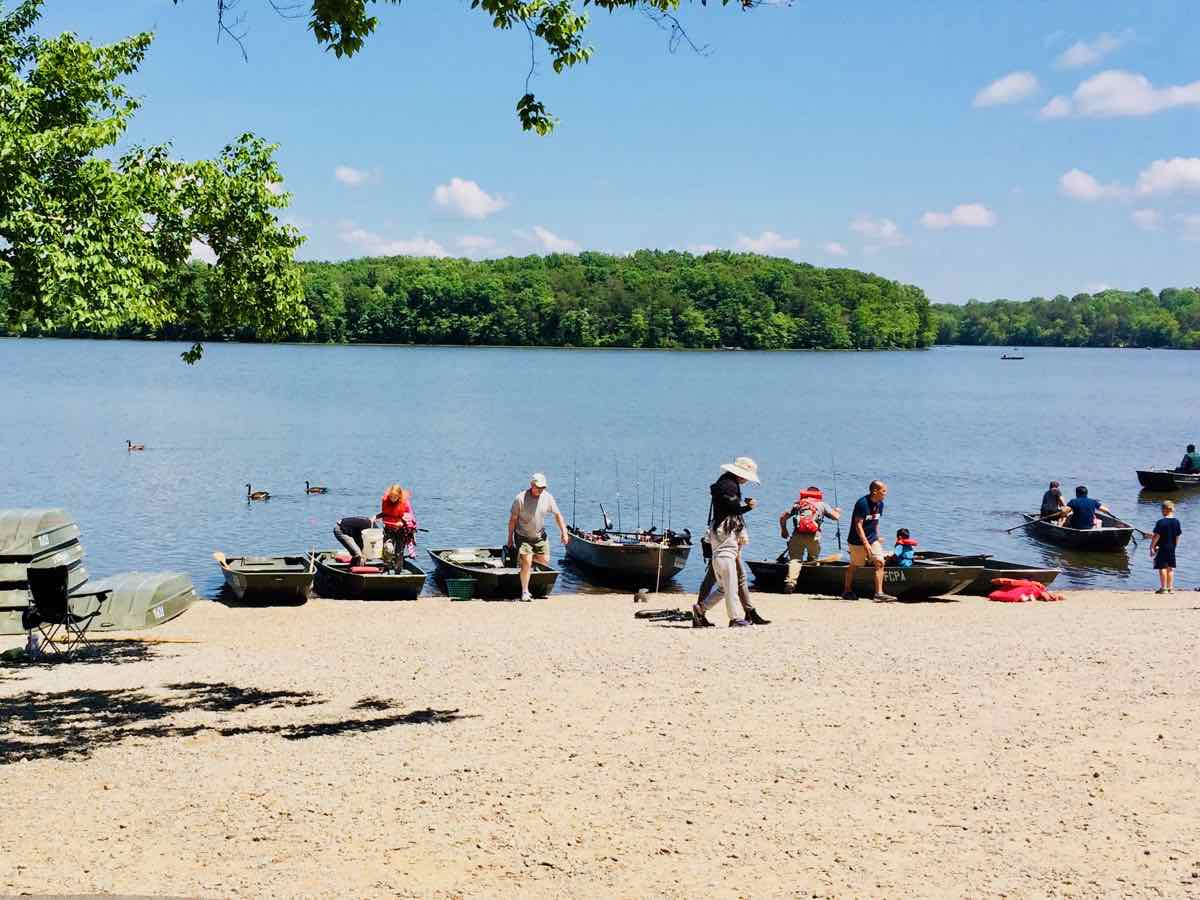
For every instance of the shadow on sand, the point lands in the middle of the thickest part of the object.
(49, 725)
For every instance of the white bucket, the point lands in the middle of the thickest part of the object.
(372, 543)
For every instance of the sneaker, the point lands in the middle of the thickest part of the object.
(884, 598)
(699, 620)
(849, 595)
(738, 623)
(789, 588)
(1161, 591)
(526, 597)
(754, 618)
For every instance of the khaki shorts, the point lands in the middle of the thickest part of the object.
(531, 546)
(865, 556)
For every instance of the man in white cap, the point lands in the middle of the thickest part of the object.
(727, 534)
(527, 528)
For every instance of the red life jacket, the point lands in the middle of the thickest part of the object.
(907, 542)
(806, 513)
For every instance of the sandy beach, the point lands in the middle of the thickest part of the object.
(563, 748)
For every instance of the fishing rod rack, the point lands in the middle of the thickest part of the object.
(668, 538)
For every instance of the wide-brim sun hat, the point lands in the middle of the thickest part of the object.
(743, 467)
(537, 479)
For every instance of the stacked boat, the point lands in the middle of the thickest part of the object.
(47, 538)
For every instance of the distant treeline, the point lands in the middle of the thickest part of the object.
(1105, 319)
(668, 299)
(646, 299)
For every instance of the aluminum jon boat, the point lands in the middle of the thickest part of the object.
(493, 579)
(992, 568)
(625, 556)
(1166, 480)
(256, 578)
(1114, 535)
(336, 578)
(918, 582)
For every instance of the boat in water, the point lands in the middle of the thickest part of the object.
(1112, 535)
(375, 580)
(494, 578)
(263, 578)
(992, 568)
(1167, 480)
(625, 557)
(920, 581)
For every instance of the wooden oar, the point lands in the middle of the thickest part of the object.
(1124, 524)
(1032, 522)
(220, 558)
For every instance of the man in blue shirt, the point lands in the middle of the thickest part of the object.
(1084, 509)
(865, 548)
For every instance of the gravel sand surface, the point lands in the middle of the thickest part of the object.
(563, 748)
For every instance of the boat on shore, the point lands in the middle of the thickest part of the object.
(493, 578)
(1113, 535)
(918, 582)
(625, 556)
(261, 578)
(992, 568)
(1166, 480)
(336, 578)
(1007, 356)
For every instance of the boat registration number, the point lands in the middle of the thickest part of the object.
(159, 612)
(893, 575)
(43, 540)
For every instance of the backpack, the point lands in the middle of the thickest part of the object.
(807, 516)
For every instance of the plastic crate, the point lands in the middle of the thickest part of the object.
(460, 588)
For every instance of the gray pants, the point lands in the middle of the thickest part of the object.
(348, 542)
(710, 580)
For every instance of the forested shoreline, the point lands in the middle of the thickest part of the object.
(653, 299)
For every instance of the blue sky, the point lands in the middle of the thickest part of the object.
(998, 150)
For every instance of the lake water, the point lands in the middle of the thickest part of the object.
(965, 440)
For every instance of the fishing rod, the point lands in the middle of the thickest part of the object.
(670, 502)
(662, 494)
(575, 489)
(653, 491)
(637, 486)
(833, 465)
(617, 471)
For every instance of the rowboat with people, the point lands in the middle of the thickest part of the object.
(1112, 534)
(992, 568)
(336, 577)
(646, 557)
(493, 576)
(920, 581)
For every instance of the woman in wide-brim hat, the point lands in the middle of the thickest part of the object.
(728, 533)
(743, 467)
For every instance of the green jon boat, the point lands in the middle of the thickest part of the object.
(259, 578)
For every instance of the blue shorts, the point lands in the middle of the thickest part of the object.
(1164, 558)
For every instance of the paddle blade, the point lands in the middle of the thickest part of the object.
(219, 557)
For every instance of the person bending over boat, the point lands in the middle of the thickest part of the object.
(1084, 509)
(865, 548)
(1190, 464)
(1054, 507)
(349, 531)
(726, 503)
(527, 528)
(807, 514)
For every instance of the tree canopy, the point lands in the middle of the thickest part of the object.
(558, 27)
(89, 242)
(648, 299)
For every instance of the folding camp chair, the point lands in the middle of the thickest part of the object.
(63, 630)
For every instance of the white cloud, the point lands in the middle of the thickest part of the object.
(202, 252)
(355, 178)
(767, 243)
(1147, 219)
(467, 199)
(1191, 226)
(833, 248)
(1058, 108)
(701, 249)
(547, 240)
(883, 231)
(275, 187)
(1012, 88)
(1097, 287)
(1170, 176)
(1079, 185)
(1087, 53)
(1116, 93)
(965, 215)
(376, 245)
(475, 243)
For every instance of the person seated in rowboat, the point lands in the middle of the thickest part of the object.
(905, 550)
(1054, 507)
(1190, 464)
(808, 513)
(1084, 509)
